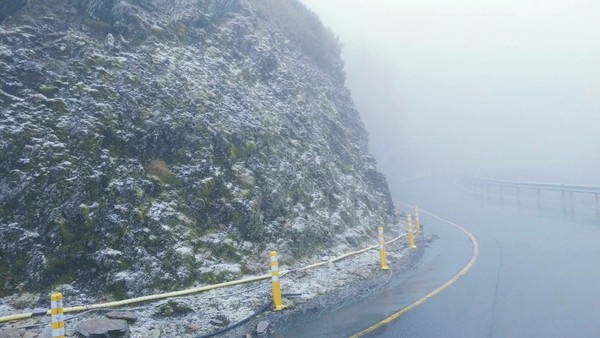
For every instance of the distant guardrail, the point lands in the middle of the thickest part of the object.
(576, 193)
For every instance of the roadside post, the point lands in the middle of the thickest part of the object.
(56, 312)
(411, 236)
(382, 260)
(275, 281)
(417, 220)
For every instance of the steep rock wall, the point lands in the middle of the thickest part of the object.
(151, 144)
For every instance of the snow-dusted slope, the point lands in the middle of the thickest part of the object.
(151, 144)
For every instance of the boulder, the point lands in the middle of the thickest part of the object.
(262, 327)
(103, 327)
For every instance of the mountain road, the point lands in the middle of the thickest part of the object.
(537, 274)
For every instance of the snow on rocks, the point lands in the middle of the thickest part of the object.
(145, 149)
(202, 313)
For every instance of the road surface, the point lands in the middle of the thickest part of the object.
(537, 274)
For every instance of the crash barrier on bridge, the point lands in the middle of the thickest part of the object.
(274, 276)
(489, 187)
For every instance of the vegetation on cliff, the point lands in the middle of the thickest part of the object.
(150, 145)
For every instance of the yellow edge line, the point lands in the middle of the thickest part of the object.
(463, 271)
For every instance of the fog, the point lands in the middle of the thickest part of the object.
(509, 89)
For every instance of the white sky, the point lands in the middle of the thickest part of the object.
(483, 86)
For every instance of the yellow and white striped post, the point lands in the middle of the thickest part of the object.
(417, 220)
(56, 310)
(411, 236)
(382, 260)
(275, 281)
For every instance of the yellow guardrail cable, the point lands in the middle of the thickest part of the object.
(189, 291)
(143, 298)
(339, 258)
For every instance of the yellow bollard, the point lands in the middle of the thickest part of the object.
(275, 281)
(417, 221)
(56, 310)
(411, 236)
(382, 259)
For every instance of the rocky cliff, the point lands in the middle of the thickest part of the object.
(156, 144)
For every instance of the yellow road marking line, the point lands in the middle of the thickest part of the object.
(463, 271)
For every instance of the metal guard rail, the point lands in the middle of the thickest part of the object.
(586, 189)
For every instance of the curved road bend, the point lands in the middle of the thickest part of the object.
(537, 275)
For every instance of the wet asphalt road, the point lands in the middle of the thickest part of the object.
(537, 274)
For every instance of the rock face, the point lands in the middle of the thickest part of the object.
(151, 145)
